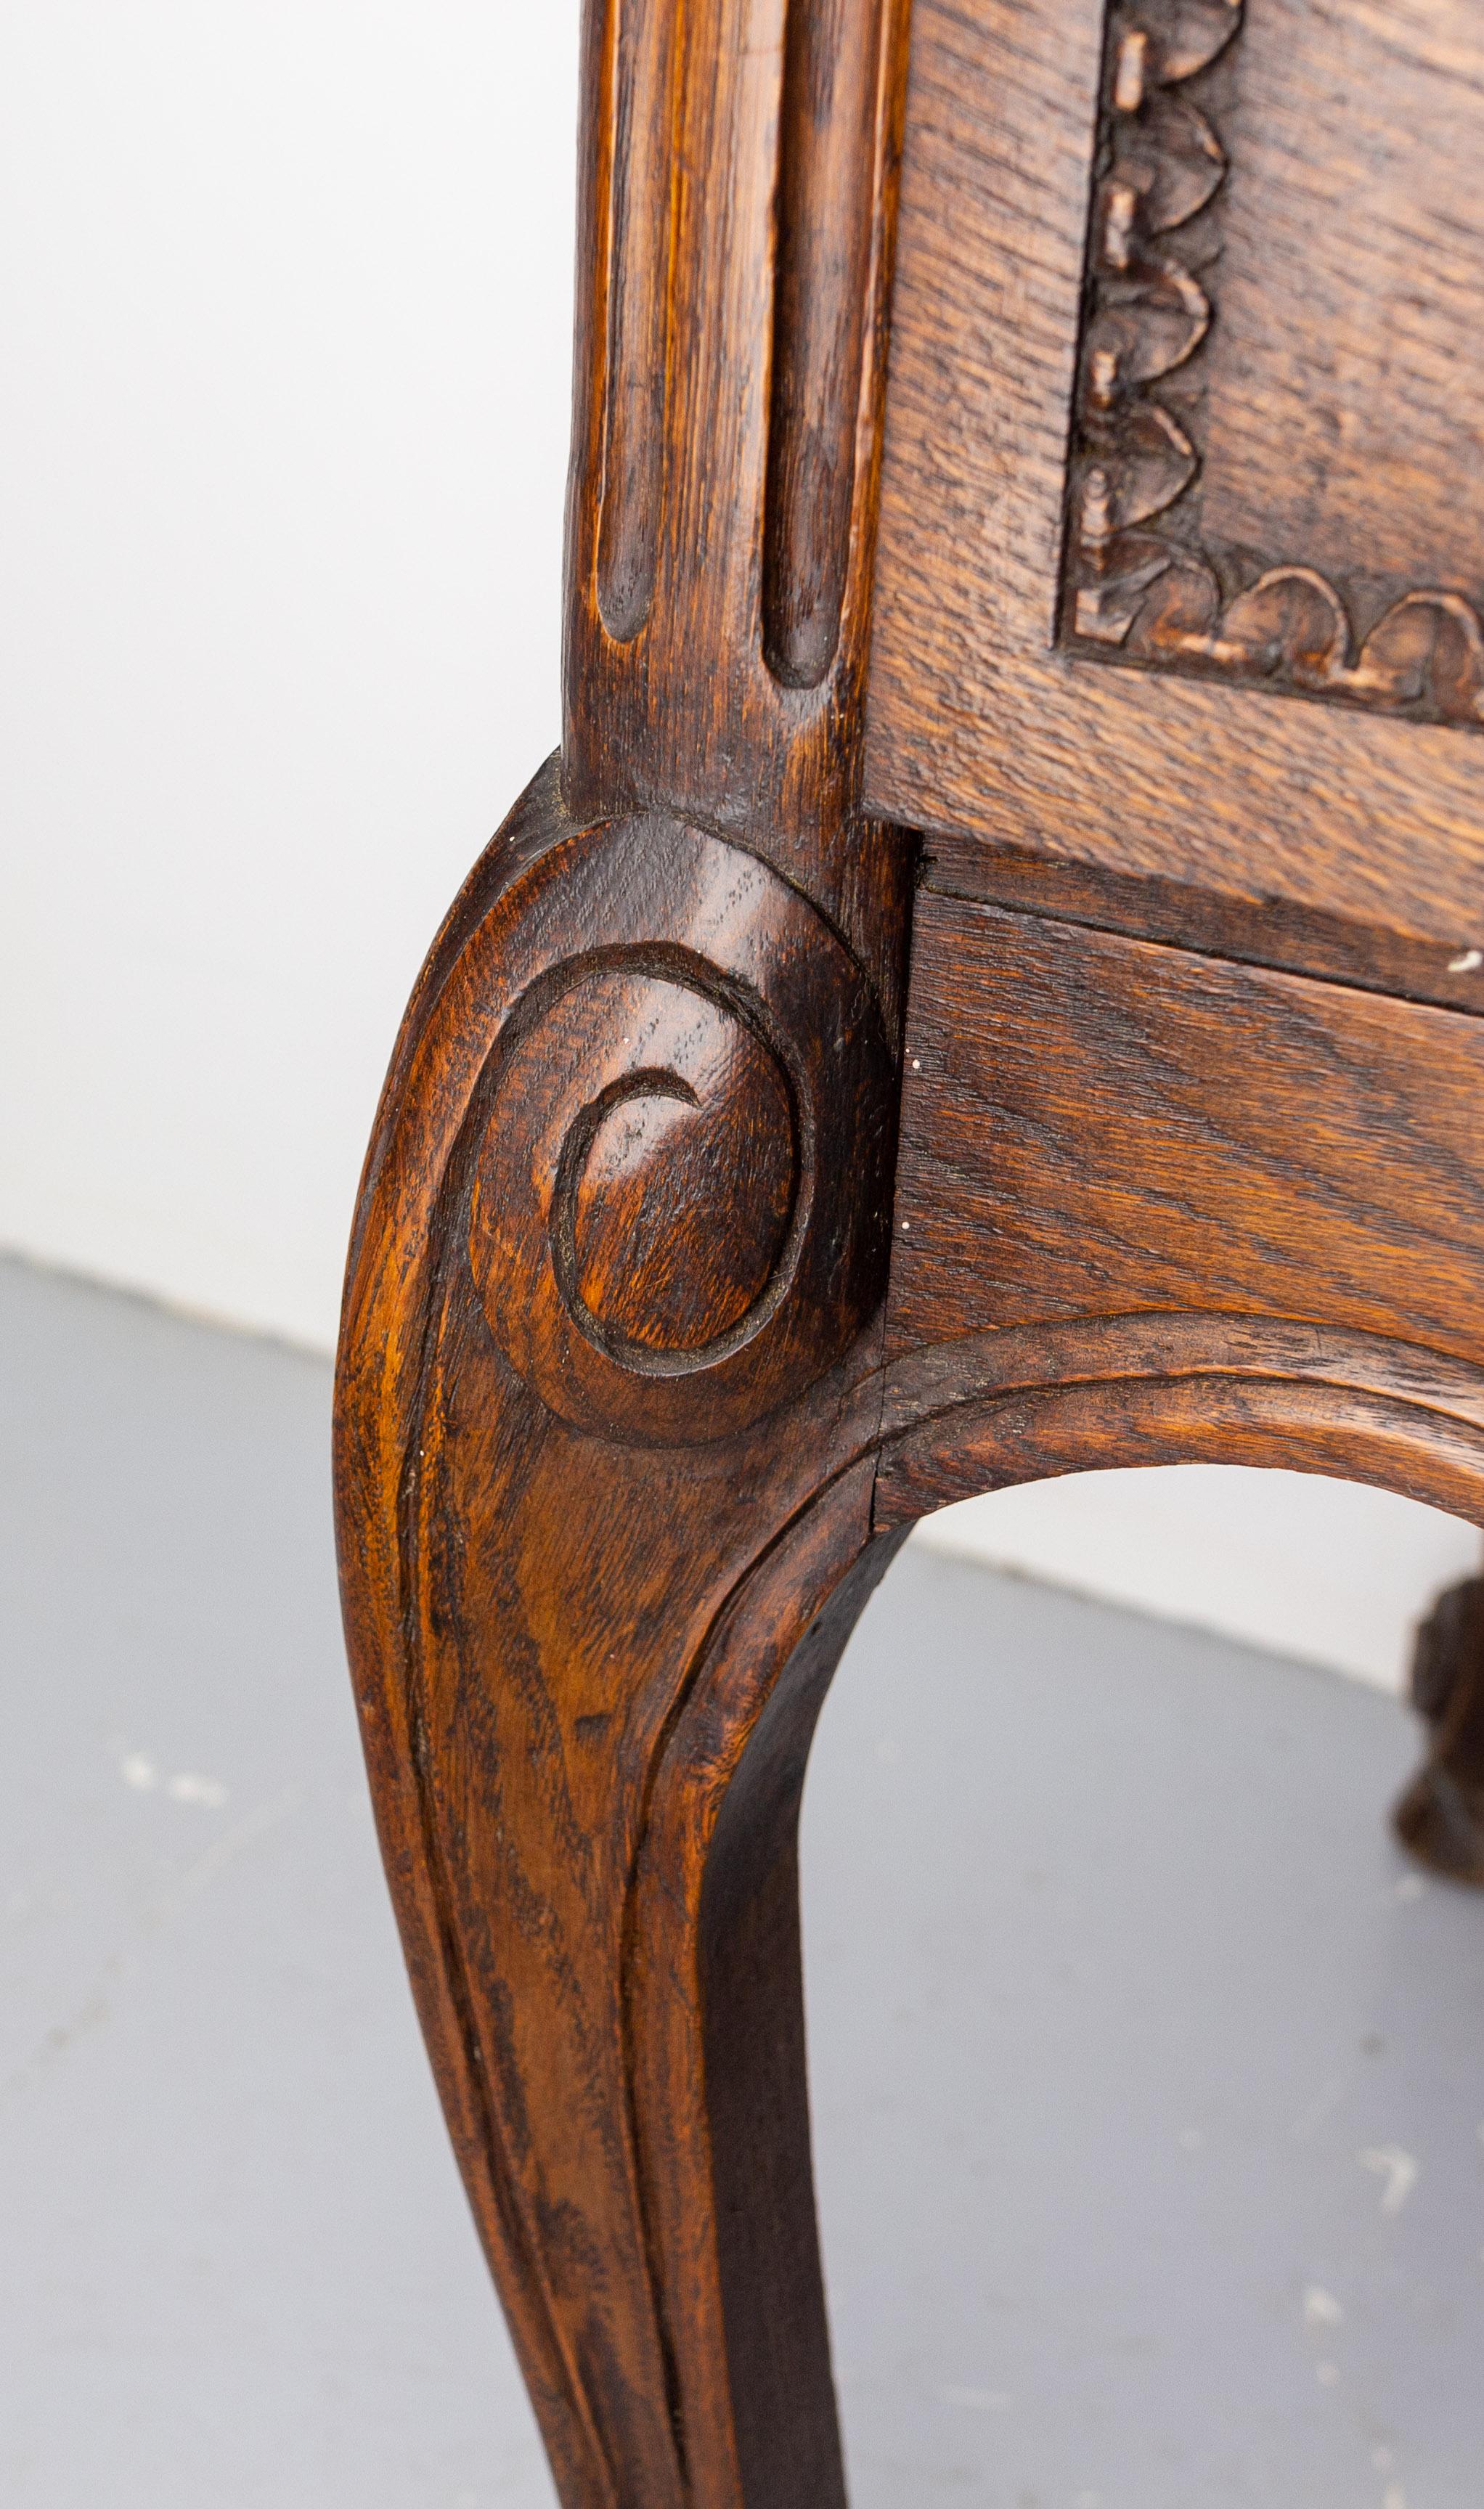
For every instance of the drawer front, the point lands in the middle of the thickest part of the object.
(1181, 559)
(1097, 1126)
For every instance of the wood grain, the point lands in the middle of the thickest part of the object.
(826, 205)
(640, 67)
(1093, 1125)
(1275, 436)
(590, 1628)
(1345, 426)
(640, 1384)
(609, 1375)
(757, 492)
(1180, 1415)
(976, 722)
(1272, 935)
(574, 1581)
(713, 1022)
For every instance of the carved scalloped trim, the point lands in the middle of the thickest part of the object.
(1137, 591)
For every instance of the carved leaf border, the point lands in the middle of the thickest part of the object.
(1139, 585)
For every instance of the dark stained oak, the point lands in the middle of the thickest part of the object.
(580, 1563)
(592, 1615)
(983, 719)
(772, 185)
(988, 989)
(1276, 434)
(1271, 934)
(1093, 1124)
(1152, 1206)
(1346, 311)
(610, 1364)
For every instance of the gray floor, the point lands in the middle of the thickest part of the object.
(1148, 2082)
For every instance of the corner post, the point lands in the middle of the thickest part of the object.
(609, 1386)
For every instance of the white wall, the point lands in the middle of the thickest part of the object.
(1320, 1569)
(285, 303)
(286, 320)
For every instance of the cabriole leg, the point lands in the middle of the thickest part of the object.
(604, 1522)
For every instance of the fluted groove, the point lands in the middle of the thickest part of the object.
(642, 80)
(827, 175)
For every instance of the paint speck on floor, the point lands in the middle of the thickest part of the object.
(188, 1788)
(1401, 2171)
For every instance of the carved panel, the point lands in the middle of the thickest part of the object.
(1277, 457)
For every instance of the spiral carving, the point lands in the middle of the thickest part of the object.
(679, 1207)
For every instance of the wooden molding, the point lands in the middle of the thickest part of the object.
(1085, 1392)
(1143, 583)
(736, 222)
(822, 84)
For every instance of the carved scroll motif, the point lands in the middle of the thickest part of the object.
(664, 1244)
(1142, 585)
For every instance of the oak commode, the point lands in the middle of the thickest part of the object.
(989, 988)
